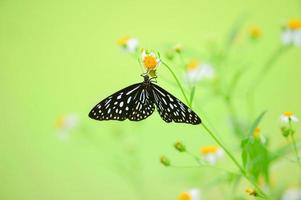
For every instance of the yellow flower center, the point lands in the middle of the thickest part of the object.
(123, 41)
(60, 121)
(255, 32)
(288, 114)
(294, 24)
(192, 65)
(185, 196)
(208, 149)
(150, 62)
(256, 133)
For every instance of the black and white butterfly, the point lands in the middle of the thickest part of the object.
(137, 102)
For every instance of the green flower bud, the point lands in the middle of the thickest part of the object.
(286, 131)
(180, 147)
(165, 161)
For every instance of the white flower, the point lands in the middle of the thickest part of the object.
(211, 154)
(291, 34)
(150, 60)
(66, 124)
(286, 117)
(128, 44)
(292, 194)
(197, 71)
(192, 194)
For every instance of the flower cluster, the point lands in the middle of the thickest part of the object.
(150, 60)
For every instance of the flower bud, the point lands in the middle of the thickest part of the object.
(251, 192)
(165, 161)
(178, 48)
(286, 131)
(180, 147)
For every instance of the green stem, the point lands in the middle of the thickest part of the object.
(292, 134)
(241, 169)
(296, 149)
(178, 82)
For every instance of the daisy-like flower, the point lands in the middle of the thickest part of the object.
(65, 124)
(291, 34)
(128, 44)
(192, 194)
(286, 117)
(257, 135)
(197, 71)
(211, 154)
(292, 194)
(255, 32)
(150, 60)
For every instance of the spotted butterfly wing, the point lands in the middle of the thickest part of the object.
(137, 102)
(133, 103)
(172, 109)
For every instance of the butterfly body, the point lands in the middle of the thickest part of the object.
(138, 101)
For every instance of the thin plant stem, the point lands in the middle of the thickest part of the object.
(294, 143)
(296, 149)
(178, 82)
(230, 155)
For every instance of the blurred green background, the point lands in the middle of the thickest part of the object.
(60, 57)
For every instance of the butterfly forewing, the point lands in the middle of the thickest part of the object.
(133, 103)
(172, 109)
(117, 106)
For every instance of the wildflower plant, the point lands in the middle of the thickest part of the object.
(256, 156)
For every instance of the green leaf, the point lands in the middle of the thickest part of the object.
(255, 156)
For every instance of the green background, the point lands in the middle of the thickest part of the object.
(60, 56)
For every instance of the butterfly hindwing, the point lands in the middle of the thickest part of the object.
(172, 109)
(143, 105)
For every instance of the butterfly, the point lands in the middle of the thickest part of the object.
(138, 101)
